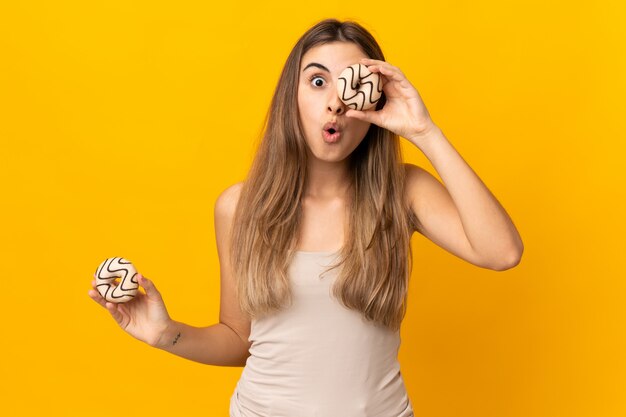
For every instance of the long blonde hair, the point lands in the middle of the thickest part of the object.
(376, 255)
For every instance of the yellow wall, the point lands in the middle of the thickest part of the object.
(120, 124)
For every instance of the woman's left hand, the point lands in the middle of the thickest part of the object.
(404, 112)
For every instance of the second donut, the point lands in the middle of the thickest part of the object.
(109, 270)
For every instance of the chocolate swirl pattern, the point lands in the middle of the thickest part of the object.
(108, 271)
(359, 88)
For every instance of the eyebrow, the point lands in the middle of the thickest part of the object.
(315, 64)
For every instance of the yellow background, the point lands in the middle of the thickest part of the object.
(121, 122)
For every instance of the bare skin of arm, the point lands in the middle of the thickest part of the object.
(461, 215)
(146, 317)
(225, 343)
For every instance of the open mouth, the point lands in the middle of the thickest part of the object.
(331, 135)
(331, 132)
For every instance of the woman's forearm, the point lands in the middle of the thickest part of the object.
(215, 345)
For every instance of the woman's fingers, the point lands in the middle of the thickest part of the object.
(385, 68)
(111, 307)
(95, 295)
(390, 73)
(115, 312)
(119, 312)
(380, 64)
(151, 292)
(369, 116)
(370, 61)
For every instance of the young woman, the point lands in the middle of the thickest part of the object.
(314, 246)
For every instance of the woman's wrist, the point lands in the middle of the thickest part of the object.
(169, 337)
(428, 130)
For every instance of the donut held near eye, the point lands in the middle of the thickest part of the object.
(117, 268)
(359, 88)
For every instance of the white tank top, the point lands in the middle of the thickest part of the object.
(317, 358)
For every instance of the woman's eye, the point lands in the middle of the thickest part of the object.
(317, 80)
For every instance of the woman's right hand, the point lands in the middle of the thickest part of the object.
(144, 317)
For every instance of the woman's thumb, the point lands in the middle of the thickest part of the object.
(147, 285)
(368, 116)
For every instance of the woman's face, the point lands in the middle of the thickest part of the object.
(319, 104)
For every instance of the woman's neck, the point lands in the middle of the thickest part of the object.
(327, 180)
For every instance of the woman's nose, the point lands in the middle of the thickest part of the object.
(335, 105)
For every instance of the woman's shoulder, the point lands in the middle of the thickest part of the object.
(226, 202)
(412, 170)
(417, 179)
(419, 188)
(412, 174)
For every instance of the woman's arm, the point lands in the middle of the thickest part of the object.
(213, 345)
(225, 343)
(146, 317)
(464, 216)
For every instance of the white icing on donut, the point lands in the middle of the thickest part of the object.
(359, 88)
(108, 271)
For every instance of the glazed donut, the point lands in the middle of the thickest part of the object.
(106, 273)
(359, 88)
